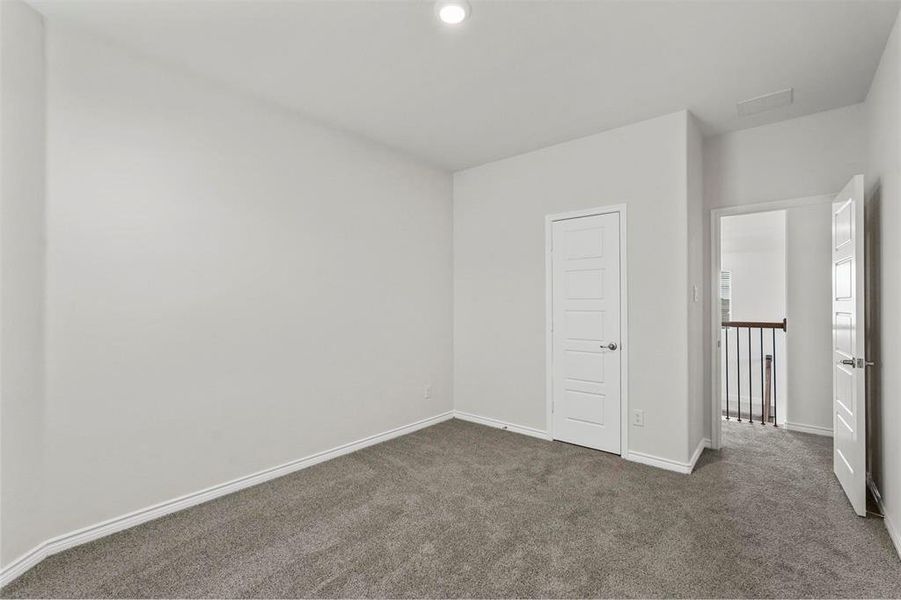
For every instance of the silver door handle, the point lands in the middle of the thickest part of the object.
(858, 362)
(610, 346)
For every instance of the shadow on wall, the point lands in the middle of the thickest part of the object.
(873, 328)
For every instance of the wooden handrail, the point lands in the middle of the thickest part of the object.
(783, 325)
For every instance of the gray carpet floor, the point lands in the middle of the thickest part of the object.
(462, 510)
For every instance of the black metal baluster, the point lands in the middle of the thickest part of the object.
(738, 370)
(775, 400)
(762, 422)
(750, 381)
(768, 391)
(727, 373)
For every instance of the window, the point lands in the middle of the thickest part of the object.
(726, 295)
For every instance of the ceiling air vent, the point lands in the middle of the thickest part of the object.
(766, 102)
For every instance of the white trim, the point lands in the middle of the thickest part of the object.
(623, 315)
(638, 457)
(714, 311)
(665, 463)
(498, 424)
(893, 532)
(814, 429)
(110, 526)
(704, 443)
(760, 207)
(23, 563)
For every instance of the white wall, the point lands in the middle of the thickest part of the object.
(812, 155)
(499, 274)
(230, 287)
(883, 181)
(808, 308)
(21, 276)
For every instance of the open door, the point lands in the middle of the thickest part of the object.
(849, 379)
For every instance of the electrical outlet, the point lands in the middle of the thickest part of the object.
(428, 392)
(638, 418)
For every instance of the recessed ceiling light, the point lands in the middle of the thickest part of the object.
(452, 12)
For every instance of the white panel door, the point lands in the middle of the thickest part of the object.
(586, 331)
(849, 379)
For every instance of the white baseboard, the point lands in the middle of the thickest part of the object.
(23, 563)
(639, 457)
(814, 429)
(704, 443)
(666, 463)
(498, 424)
(656, 461)
(893, 532)
(110, 526)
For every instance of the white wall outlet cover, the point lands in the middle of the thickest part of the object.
(638, 418)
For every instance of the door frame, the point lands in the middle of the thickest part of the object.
(716, 215)
(549, 221)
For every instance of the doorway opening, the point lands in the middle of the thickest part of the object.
(753, 308)
(772, 273)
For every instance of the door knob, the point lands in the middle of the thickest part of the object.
(610, 346)
(848, 361)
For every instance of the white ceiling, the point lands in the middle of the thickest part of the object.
(518, 75)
